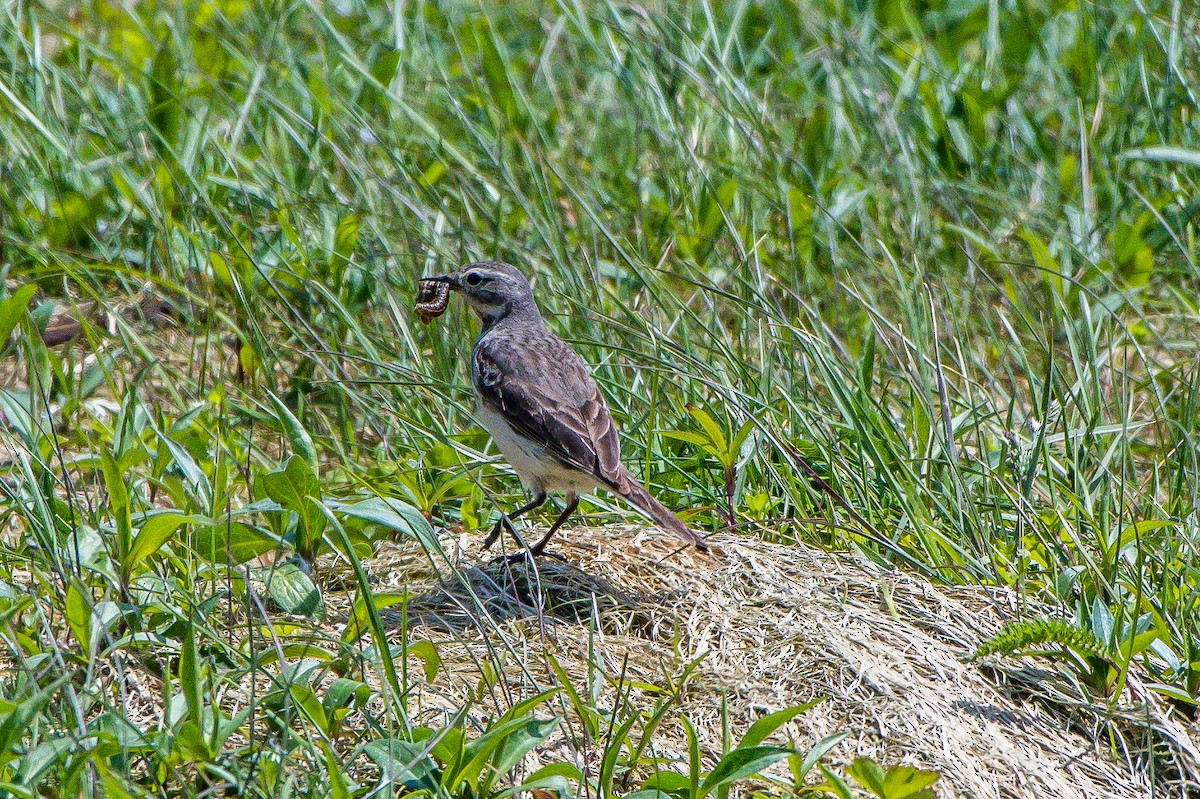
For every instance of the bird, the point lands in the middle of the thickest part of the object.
(538, 400)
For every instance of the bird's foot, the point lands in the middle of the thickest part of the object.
(527, 554)
(494, 535)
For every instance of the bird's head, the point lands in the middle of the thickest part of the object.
(493, 289)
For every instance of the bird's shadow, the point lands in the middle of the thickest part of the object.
(482, 595)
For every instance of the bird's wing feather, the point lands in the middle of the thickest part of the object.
(566, 416)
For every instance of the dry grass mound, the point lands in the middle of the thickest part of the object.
(775, 626)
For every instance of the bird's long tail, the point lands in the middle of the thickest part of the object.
(636, 495)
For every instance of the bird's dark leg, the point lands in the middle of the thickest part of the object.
(572, 504)
(506, 521)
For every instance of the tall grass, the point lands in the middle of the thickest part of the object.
(940, 256)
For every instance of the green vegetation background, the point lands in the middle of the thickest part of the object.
(926, 270)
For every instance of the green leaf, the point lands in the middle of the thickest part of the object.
(118, 502)
(1176, 155)
(155, 532)
(906, 782)
(693, 749)
(836, 784)
(310, 707)
(384, 68)
(667, 783)
(12, 310)
(867, 773)
(79, 617)
(495, 73)
(1052, 272)
(292, 487)
(190, 677)
(769, 723)
(165, 111)
(866, 364)
(695, 439)
(401, 763)
(479, 752)
(742, 445)
(741, 763)
(338, 788)
(232, 542)
(561, 769)
(345, 239)
(428, 654)
(712, 430)
(391, 514)
(294, 591)
(520, 742)
(360, 618)
(299, 439)
(190, 742)
(800, 222)
(816, 753)
(343, 692)
(17, 716)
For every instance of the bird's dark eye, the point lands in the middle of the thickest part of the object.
(473, 279)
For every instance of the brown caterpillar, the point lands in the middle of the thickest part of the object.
(432, 298)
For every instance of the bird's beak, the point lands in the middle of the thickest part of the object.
(451, 280)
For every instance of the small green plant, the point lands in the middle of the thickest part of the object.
(449, 761)
(1059, 640)
(730, 448)
(894, 782)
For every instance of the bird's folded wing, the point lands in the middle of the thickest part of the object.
(578, 431)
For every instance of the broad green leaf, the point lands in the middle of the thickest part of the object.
(669, 783)
(299, 439)
(231, 542)
(520, 742)
(695, 439)
(190, 742)
(906, 782)
(479, 751)
(360, 617)
(428, 654)
(155, 532)
(190, 677)
(292, 487)
(741, 763)
(401, 763)
(711, 429)
(165, 112)
(800, 221)
(817, 752)
(118, 502)
(867, 773)
(79, 618)
(343, 692)
(310, 706)
(559, 769)
(12, 309)
(384, 68)
(345, 239)
(769, 723)
(294, 591)
(392, 514)
(17, 717)
(338, 788)
(495, 72)
(836, 784)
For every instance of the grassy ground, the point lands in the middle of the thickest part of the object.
(914, 278)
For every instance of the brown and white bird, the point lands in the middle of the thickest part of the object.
(541, 405)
